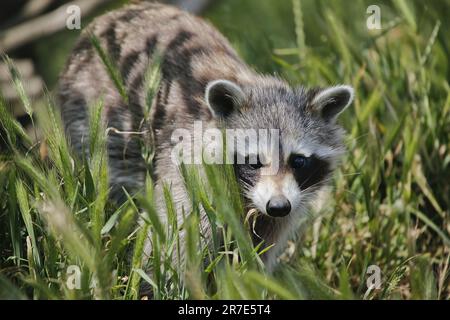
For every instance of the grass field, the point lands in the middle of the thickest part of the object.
(391, 197)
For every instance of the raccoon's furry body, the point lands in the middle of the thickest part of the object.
(197, 59)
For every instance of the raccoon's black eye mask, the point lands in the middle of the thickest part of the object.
(308, 171)
(298, 161)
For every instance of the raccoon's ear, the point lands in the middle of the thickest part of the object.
(223, 97)
(332, 101)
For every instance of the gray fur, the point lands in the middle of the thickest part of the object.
(194, 55)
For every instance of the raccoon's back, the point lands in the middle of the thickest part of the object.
(192, 52)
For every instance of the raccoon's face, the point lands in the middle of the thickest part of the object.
(301, 146)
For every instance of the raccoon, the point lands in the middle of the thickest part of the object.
(202, 79)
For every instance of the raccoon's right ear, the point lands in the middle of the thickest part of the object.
(223, 97)
(330, 102)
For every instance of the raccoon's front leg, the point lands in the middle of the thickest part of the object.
(182, 207)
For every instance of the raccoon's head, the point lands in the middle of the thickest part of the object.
(278, 178)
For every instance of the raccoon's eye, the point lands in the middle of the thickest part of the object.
(298, 161)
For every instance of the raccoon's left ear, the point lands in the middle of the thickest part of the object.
(332, 101)
(223, 97)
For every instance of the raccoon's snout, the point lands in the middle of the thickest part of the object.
(278, 206)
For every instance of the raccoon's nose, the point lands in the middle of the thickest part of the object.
(278, 206)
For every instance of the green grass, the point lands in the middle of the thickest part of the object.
(391, 196)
